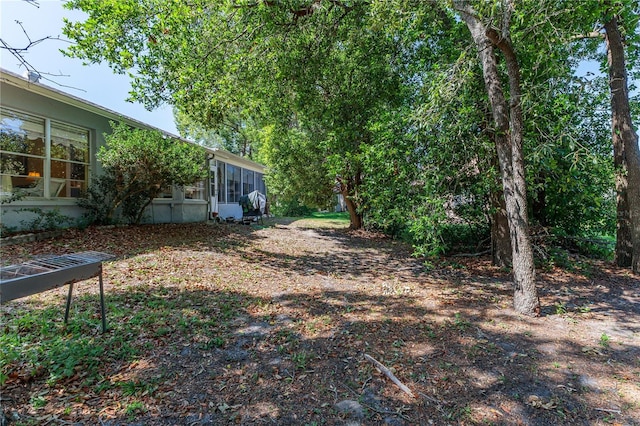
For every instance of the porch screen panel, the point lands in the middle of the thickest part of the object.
(233, 183)
(248, 183)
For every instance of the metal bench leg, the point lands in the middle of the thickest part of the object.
(102, 309)
(66, 311)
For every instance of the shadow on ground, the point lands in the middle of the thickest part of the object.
(270, 326)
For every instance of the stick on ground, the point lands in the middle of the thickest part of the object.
(381, 368)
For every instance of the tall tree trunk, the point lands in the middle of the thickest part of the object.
(500, 240)
(509, 130)
(624, 239)
(500, 237)
(525, 298)
(625, 143)
(355, 218)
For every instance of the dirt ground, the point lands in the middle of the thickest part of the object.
(270, 325)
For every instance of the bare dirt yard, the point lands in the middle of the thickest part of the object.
(214, 324)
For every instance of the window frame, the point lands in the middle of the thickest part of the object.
(46, 186)
(198, 188)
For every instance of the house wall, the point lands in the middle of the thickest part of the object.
(44, 102)
(171, 211)
(16, 98)
(230, 210)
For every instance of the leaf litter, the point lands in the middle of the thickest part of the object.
(232, 324)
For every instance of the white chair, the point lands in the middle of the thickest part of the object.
(36, 190)
(55, 188)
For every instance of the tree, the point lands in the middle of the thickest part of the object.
(451, 122)
(617, 24)
(318, 61)
(138, 165)
(298, 174)
(508, 123)
(562, 132)
(625, 139)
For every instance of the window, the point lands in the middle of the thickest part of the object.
(22, 154)
(28, 167)
(233, 183)
(69, 159)
(166, 192)
(248, 183)
(195, 191)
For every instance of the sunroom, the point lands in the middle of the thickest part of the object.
(232, 176)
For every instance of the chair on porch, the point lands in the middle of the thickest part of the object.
(36, 190)
(55, 187)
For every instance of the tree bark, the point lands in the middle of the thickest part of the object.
(500, 239)
(626, 150)
(509, 133)
(624, 239)
(525, 298)
(355, 218)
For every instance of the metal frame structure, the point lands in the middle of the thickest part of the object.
(49, 272)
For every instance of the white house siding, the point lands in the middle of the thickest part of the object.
(16, 94)
(22, 100)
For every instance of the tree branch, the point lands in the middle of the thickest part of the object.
(390, 375)
(18, 53)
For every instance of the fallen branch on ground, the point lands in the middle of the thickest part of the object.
(608, 410)
(482, 253)
(381, 368)
(434, 400)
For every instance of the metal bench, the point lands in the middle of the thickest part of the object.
(49, 272)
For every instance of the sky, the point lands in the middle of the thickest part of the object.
(94, 83)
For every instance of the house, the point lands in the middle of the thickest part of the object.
(48, 142)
